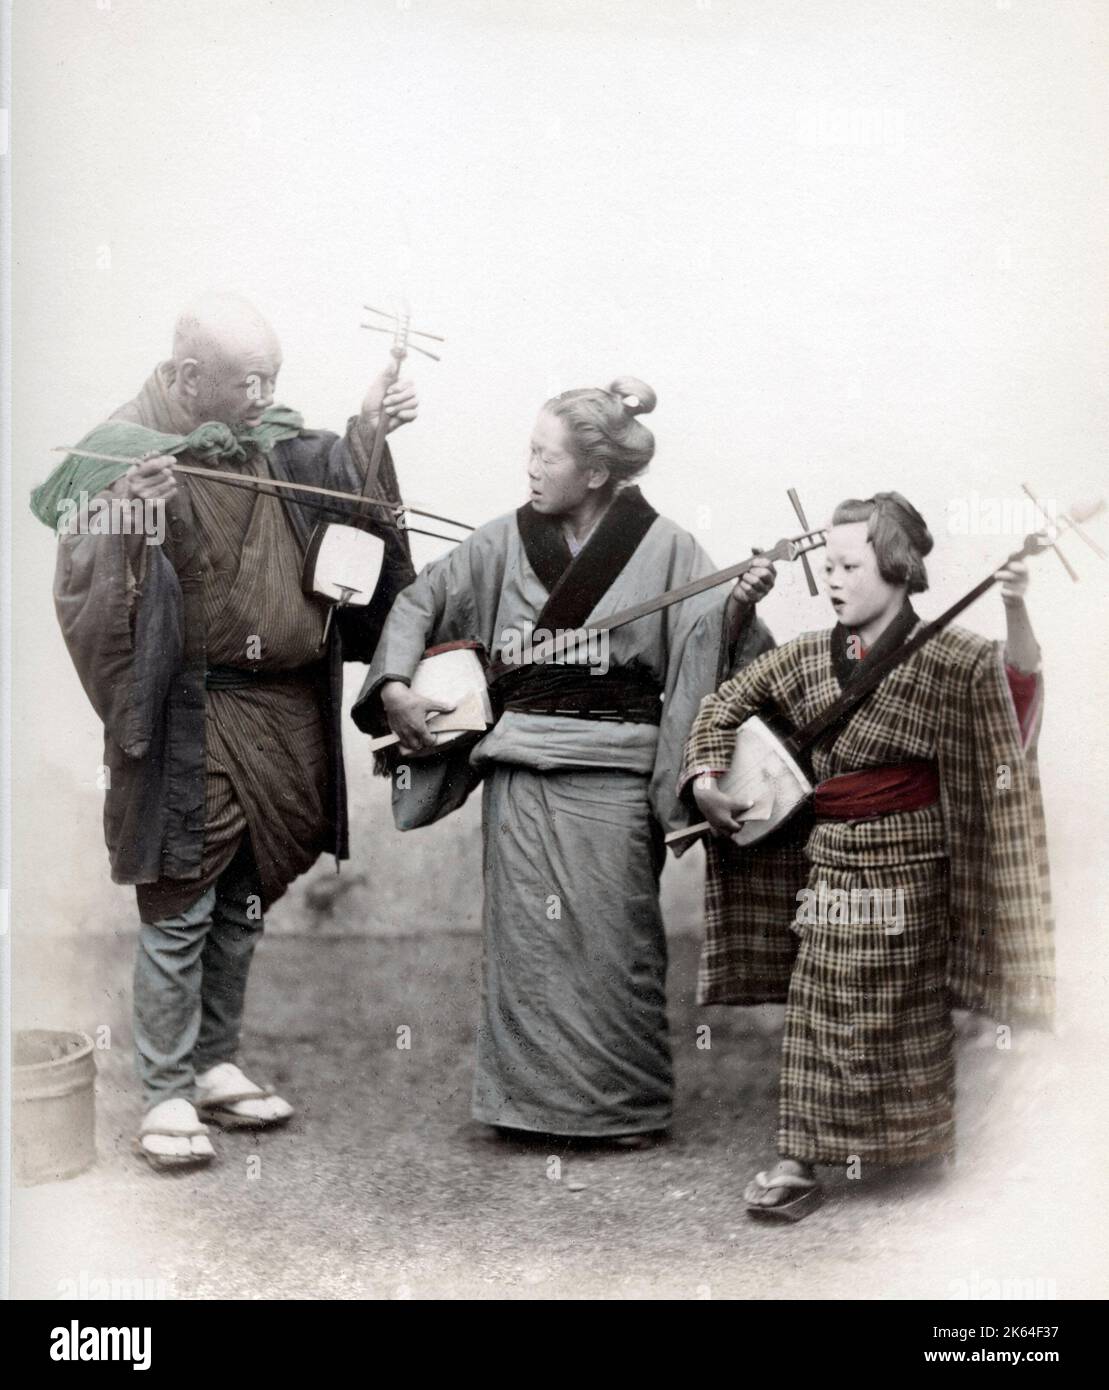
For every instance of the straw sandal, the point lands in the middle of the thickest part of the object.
(215, 1105)
(196, 1157)
(808, 1195)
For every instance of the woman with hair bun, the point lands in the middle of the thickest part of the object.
(926, 884)
(579, 768)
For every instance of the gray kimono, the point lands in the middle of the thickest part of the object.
(572, 1038)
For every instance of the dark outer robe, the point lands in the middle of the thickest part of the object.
(191, 771)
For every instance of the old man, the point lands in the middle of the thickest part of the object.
(218, 680)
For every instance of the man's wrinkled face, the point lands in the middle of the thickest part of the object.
(236, 387)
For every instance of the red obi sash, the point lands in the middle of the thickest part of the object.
(878, 791)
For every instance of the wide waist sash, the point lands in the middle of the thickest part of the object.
(245, 678)
(878, 791)
(622, 695)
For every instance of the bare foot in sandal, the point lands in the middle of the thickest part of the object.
(171, 1136)
(227, 1097)
(789, 1191)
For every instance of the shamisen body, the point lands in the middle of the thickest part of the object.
(578, 770)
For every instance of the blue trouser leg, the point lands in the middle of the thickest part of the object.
(235, 932)
(190, 984)
(167, 989)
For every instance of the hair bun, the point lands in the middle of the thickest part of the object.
(636, 396)
(913, 524)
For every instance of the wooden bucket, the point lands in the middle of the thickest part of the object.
(53, 1106)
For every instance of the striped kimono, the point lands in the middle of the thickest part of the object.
(267, 777)
(868, 1057)
(572, 1037)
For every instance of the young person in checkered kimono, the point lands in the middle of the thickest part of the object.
(927, 803)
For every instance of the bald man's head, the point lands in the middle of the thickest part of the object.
(227, 359)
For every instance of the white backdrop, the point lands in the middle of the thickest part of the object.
(852, 246)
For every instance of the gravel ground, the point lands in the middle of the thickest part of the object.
(382, 1186)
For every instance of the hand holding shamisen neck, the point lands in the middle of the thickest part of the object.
(397, 398)
(1022, 651)
(752, 585)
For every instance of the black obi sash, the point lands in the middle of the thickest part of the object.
(575, 586)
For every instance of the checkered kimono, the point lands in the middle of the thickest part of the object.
(868, 1067)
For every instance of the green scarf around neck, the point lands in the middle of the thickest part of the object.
(212, 442)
